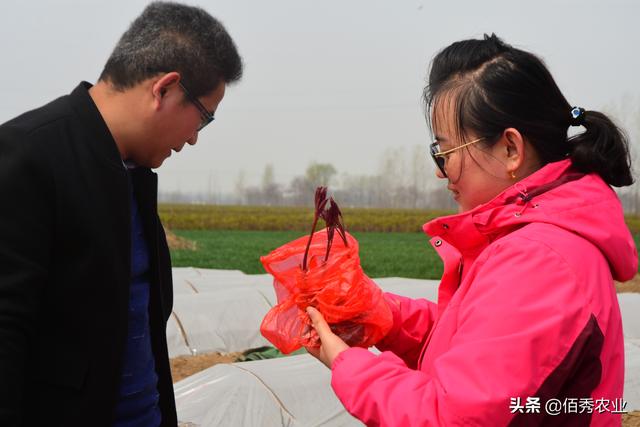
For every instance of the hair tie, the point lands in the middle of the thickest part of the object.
(577, 116)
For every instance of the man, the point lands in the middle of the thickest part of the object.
(85, 274)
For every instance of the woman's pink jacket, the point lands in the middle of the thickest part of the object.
(527, 312)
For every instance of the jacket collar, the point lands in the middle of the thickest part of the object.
(504, 213)
(98, 135)
(558, 195)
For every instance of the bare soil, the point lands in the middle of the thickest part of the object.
(184, 366)
(176, 242)
(632, 419)
(632, 285)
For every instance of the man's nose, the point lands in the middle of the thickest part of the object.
(439, 174)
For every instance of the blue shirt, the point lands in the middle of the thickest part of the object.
(138, 398)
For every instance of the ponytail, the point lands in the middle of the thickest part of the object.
(603, 149)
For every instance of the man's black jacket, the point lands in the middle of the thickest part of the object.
(65, 266)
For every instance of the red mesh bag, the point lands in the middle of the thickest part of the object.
(351, 302)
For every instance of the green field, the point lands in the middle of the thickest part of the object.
(234, 237)
(296, 218)
(381, 254)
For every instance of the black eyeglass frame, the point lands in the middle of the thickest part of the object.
(206, 116)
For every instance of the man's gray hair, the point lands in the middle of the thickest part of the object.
(174, 37)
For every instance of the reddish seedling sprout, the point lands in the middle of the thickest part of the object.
(332, 217)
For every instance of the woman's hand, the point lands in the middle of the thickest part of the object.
(331, 345)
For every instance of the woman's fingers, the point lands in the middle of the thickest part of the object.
(319, 324)
(330, 344)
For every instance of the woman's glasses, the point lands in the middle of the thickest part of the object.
(439, 157)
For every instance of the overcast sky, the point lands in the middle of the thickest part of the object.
(329, 81)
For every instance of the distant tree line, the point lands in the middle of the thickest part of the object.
(405, 179)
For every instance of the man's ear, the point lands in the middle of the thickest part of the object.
(161, 86)
(513, 145)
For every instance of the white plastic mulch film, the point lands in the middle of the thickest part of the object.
(289, 391)
(630, 308)
(221, 310)
(217, 310)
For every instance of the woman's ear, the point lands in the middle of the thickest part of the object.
(513, 146)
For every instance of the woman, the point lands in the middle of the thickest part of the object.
(527, 310)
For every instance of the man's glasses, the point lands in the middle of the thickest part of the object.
(205, 116)
(439, 156)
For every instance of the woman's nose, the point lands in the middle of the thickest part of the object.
(439, 174)
(193, 139)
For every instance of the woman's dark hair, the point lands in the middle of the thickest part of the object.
(493, 86)
(174, 37)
